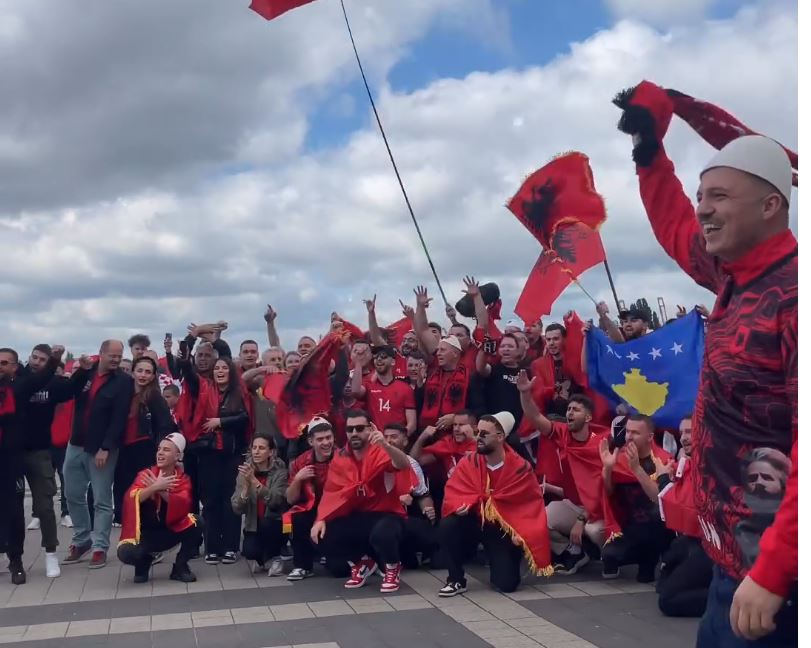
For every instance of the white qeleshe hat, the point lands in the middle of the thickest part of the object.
(178, 439)
(506, 421)
(760, 156)
(454, 342)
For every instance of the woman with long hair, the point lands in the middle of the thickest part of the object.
(231, 431)
(149, 421)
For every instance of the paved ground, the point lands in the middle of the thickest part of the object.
(229, 606)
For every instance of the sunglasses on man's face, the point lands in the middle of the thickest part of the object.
(356, 429)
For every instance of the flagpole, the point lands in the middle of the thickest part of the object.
(391, 156)
(611, 283)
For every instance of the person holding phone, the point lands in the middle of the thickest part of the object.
(259, 496)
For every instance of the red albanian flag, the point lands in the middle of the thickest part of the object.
(560, 207)
(270, 9)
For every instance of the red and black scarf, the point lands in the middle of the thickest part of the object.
(445, 393)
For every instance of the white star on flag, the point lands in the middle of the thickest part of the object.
(611, 351)
(632, 356)
(655, 353)
(676, 349)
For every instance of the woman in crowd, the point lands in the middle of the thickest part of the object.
(226, 439)
(260, 496)
(292, 360)
(149, 421)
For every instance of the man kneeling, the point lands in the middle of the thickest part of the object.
(157, 515)
(493, 496)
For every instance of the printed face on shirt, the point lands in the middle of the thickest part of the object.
(686, 435)
(8, 364)
(461, 334)
(397, 438)
(168, 455)
(322, 443)
(357, 432)
(554, 342)
(462, 428)
(305, 346)
(640, 434)
(736, 211)
(221, 372)
(143, 373)
(261, 451)
(409, 343)
(273, 358)
(248, 355)
(577, 416)
(37, 360)
(488, 437)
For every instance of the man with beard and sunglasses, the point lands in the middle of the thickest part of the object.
(387, 399)
(360, 513)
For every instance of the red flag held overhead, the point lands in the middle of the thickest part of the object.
(270, 9)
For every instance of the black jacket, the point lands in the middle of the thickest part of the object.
(103, 427)
(154, 419)
(38, 412)
(23, 387)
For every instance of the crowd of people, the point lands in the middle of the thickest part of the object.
(443, 444)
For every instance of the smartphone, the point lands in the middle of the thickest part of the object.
(168, 336)
(618, 433)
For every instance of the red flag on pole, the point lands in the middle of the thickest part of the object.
(270, 9)
(560, 207)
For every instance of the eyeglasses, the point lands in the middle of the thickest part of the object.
(6, 363)
(356, 429)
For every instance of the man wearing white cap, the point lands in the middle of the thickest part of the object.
(736, 243)
(157, 515)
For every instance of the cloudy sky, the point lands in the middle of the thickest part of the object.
(167, 162)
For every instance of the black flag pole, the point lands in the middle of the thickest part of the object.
(611, 283)
(391, 155)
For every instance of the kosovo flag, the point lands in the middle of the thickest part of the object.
(656, 375)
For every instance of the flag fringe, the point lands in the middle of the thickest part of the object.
(491, 514)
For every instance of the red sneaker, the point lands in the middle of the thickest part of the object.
(98, 559)
(361, 571)
(391, 579)
(75, 554)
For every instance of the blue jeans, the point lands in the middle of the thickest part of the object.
(715, 631)
(80, 471)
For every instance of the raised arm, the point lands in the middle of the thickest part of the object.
(376, 335)
(479, 308)
(531, 411)
(270, 321)
(482, 366)
(424, 335)
(607, 324)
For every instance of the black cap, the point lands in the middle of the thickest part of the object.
(490, 294)
(635, 313)
(386, 349)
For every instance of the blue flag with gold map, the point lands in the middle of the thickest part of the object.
(657, 374)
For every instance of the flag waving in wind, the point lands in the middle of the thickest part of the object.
(270, 9)
(656, 374)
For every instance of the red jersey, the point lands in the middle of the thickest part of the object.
(321, 468)
(388, 403)
(563, 440)
(400, 367)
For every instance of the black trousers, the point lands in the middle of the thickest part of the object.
(12, 495)
(57, 459)
(685, 579)
(154, 539)
(419, 535)
(217, 472)
(460, 534)
(190, 463)
(265, 543)
(303, 550)
(132, 459)
(375, 535)
(640, 544)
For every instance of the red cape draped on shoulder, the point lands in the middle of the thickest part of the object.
(307, 491)
(307, 392)
(191, 412)
(350, 483)
(273, 386)
(677, 503)
(517, 506)
(178, 511)
(622, 474)
(587, 472)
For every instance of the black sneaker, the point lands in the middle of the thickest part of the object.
(17, 572)
(183, 574)
(572, 563)
(141, 574)
(611, 570)
(229, 558)
(452, 589)
(212, 559)
(560, 560)
(646, 574)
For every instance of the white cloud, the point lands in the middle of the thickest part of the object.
(118, 243)
(660, 12)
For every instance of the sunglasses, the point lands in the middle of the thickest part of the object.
(356, 429)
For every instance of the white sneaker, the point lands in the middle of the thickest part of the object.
(33, 525)
(66, 522)
(52, 569)
(276, 567)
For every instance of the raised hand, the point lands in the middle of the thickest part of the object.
(602, 309)
(471, 286)
(523, 383)
(608, 458)
(56, 352)
(370, 304)
(408, 310)
(632, 454)
(423, 299)
(270, 314)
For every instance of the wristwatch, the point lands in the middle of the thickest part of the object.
(581, 518)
